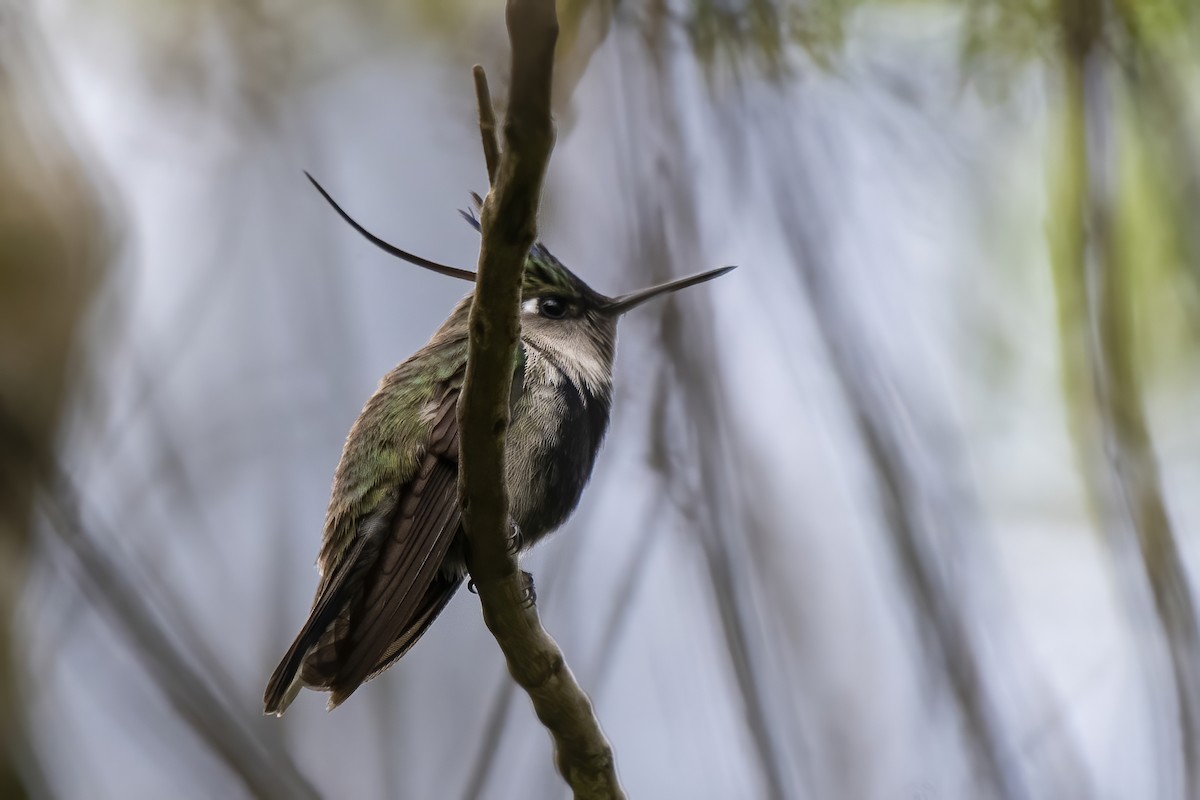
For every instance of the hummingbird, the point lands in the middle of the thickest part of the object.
(393, 551)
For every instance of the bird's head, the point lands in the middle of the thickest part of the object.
(557, 306)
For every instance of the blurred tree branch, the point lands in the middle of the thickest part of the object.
(265, 771)
(509, 225)
(57, 231)
(54, 228)
(714, 504)
(875, 418)
(1112, 435)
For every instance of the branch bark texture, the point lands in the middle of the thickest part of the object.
(509, 225)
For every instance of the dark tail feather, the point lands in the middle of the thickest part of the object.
(436, 597)
(285, 683)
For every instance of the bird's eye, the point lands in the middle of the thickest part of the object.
(552, 307)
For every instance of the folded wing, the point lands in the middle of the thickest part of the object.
(388, 587)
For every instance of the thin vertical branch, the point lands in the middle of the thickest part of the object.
(487, 124)
(509, 226)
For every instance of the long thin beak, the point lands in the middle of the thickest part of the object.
(619, 305)
(441, 269)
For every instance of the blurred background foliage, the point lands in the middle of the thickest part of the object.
(904, 508)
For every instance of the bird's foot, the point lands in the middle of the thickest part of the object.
(529, 591)
(516, 541)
